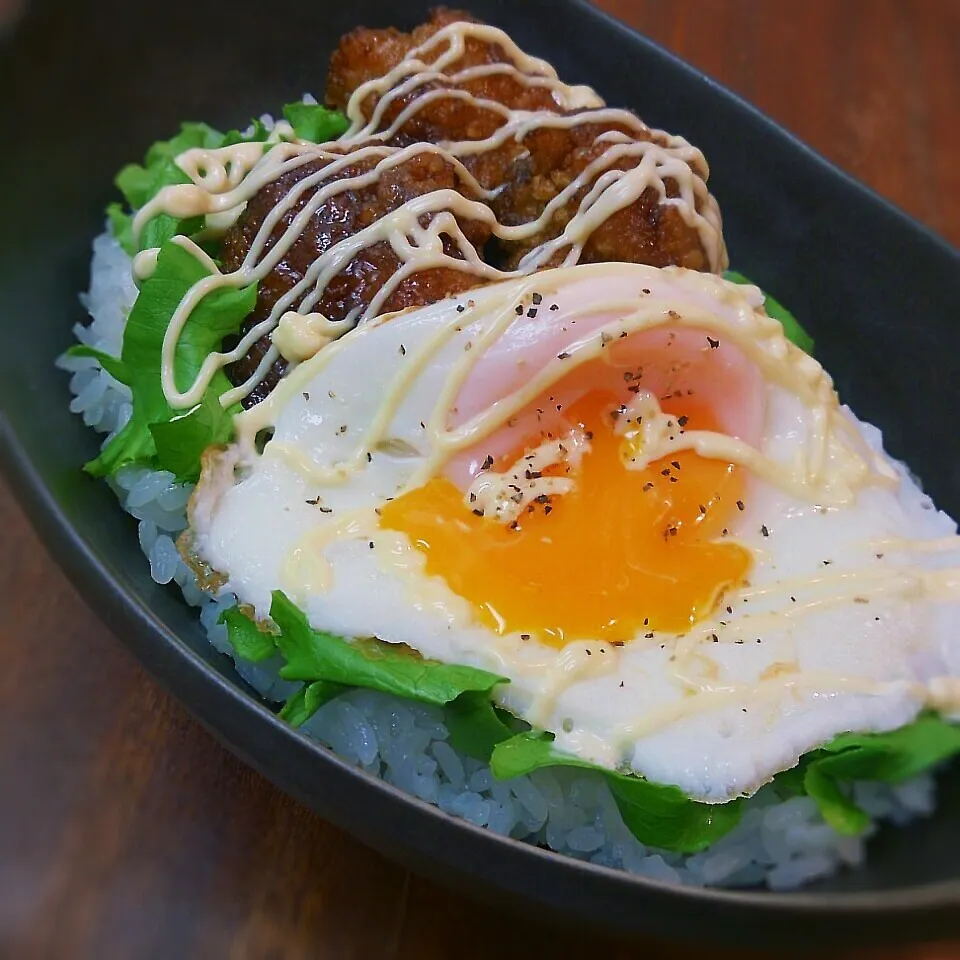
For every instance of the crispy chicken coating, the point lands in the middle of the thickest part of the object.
(339, 217)
(531, 170)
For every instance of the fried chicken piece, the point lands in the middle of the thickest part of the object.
(646, 231)
(530, 171)
(338, 218)
(365, 55)
(370, 54)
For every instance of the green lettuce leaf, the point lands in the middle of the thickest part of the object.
(257, 134)
(181, 440)
(157, 435)
(657, 815)
(141, 182)
(313, 655)
(113, 365)
(136, 181)
(121, 226)
(315, 123)
(247, 639)
(476, 726)
(183, 436)
(303, 704)
(791, 326)
(885, 757)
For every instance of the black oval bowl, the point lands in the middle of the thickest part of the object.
(83, 93)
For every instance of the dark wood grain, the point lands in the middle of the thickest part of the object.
(126, 831)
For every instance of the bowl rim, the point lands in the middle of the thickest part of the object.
(182, 672)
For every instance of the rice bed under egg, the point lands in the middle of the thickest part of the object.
(780, 844)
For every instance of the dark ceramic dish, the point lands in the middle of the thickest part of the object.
(80, 94)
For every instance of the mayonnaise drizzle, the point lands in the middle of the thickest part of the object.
(224, 180)
(813, 477)
(832, 464)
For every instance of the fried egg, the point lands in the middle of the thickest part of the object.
(624, 490)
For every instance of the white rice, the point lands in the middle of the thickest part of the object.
(780, 844)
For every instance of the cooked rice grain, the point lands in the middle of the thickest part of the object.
(781, 844)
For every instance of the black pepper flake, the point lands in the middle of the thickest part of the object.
(532, 312)
(759, 640)
(646, 621)
(739, 641)
(703, 510)
(524, 636)
(532, 474)
(729, 609)
(542, 498)
(724, 532)
(714, 638)
(343, 428)
(647, 486)
(331, 395)
(312, 502)
(826, 563)
(793, 599)
(740, 506)
(478, 512)
(369, 457)
(537, 299)
(403, 350)
(460, 308)
(554, 306)
(675, 464)
(649, 636)
(473, 498)
(860, 600)
(879, 556)
(713, 343)
(665, 472)
(674, 479)
(563, 356)
(518, 309)
(370, 544)
(617, 643)
(683, 420)
(306, 396)
(646, 290)
(547, 510)
(589, 652)
(326, 509)
(514, 525)
(487, 464)
(621, 683)
(764, 531)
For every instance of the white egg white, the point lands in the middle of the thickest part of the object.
(846, 622)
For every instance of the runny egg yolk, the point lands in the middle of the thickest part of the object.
(625, 552)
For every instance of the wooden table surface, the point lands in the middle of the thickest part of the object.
(126, 831)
